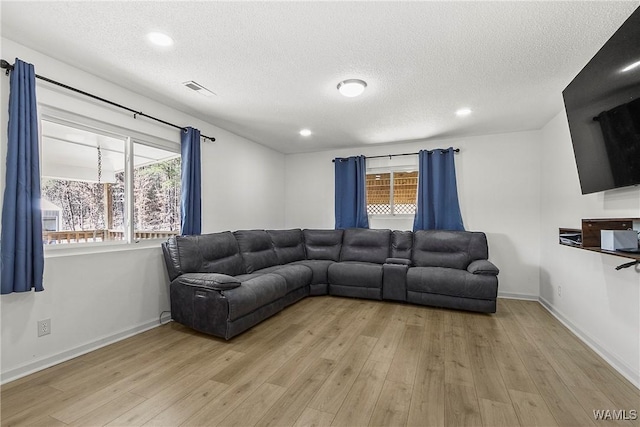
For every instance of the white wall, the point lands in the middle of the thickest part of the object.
(242, 185)
(91, 300)
(94, 298)
(498, 186)
(601, 304)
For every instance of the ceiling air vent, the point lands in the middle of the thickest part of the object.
(198, 88)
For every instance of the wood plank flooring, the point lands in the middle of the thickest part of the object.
(336, 361)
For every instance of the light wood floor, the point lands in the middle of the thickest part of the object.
(336, 361)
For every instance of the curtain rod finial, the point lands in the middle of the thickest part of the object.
(5, 65)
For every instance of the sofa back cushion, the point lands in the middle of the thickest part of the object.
(256, 249)
(288, 244)
(206, 253)
(362, 244)
(401, 243)
(452, 249)
(323, 244)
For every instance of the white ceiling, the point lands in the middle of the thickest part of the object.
(275, 65)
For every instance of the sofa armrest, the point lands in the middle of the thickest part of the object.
(394, 281)
(215, 281)
(171, 258)
(401, 261)
(483, 267)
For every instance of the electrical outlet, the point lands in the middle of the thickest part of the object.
(44, 327)
(559, 290)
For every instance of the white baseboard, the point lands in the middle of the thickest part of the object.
(616, 363)
(46, 362)
(510, 295)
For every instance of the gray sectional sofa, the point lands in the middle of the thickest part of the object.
(224, 283)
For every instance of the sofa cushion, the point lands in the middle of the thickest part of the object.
(296, 275)
(207, 253)
(401, 243)
(248, 276)
(256, 249)
(288, 245)
(451, 282)
(217, 281)
(361, 244)
(451, 249)
(255, 293)
(319, 269)
(323, 244)
(354, 273)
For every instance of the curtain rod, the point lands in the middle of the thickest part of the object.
(5, 65)
(456, 150)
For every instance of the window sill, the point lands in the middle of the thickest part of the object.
(73, 249)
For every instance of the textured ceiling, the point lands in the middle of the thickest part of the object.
(275, 65)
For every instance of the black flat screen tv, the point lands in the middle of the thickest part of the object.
(603, 109)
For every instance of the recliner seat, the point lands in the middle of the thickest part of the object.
(439, 273)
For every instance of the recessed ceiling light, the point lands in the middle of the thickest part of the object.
(305, 132)
(160, 39)
(352, 87)
(463, 112)
(631, 66)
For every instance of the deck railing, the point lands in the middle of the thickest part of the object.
(84, 236)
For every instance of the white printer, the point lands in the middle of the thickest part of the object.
(613, 240)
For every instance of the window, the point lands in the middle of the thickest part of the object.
(91, 187)
(156, 192)
(392, 192)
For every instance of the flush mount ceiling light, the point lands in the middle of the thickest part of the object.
(305, 132)
(352, 87)
(631, 66)
(463, 112)
(160, 39)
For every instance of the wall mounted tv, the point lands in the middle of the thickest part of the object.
(603, 109)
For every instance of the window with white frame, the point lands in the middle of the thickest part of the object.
(391, 192)
(99, 186)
